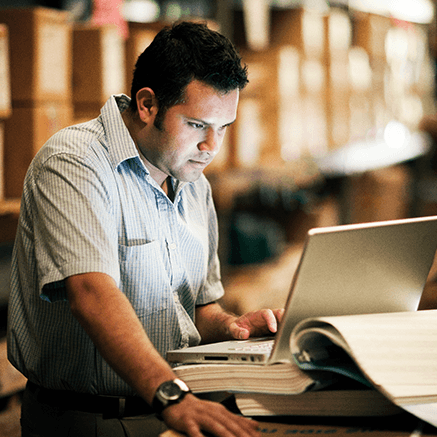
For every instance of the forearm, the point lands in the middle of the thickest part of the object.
(109, 319)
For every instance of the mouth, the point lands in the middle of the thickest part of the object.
(199, 163)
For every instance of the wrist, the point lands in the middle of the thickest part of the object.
(169, 393)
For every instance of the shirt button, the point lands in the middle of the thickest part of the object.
(172, 246)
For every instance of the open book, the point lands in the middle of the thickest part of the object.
(393, 353)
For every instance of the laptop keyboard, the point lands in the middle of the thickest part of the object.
(263, 346)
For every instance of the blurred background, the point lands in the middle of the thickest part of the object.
(337, 124)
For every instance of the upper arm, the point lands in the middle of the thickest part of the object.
(74, 227)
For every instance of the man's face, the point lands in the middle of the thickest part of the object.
(192, 133)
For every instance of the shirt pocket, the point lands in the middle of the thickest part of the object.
(144, 279)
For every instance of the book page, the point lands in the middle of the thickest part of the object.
(396, 351)
(427, 412)
(285, 378)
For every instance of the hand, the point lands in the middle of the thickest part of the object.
(193, 415)
(256, 324)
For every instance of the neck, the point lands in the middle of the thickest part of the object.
(134, 126)
(167, 186)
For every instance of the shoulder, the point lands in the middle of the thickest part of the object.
(79, 143)
(76, 139)
(100, 142)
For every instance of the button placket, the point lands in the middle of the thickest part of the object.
(171, 239)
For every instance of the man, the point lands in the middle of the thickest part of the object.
(115, 260)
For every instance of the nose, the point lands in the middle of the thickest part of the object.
(211, 142)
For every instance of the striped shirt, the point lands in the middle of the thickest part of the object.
(90, 205)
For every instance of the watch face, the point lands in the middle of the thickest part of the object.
(170, 390)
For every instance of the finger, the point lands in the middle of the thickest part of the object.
(279, 313)
(231, 425)
(270, 320)
(220, 422)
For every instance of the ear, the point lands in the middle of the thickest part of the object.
(147, 105)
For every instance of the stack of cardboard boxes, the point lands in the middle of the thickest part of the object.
(286, 110)
(299, 35)
(325, 80)
(8, 208)
(98, 68)
(40, 59)
(401, 88)
(338, 50)
(368, 104)
(328, 79)
(11, 381)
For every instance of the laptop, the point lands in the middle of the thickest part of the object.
(375, 267)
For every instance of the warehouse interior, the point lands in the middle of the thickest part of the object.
(337, 125)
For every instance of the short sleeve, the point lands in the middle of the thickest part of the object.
(74, 223)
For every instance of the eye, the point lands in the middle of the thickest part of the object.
(196, 125)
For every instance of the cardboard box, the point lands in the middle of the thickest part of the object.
(40, 53)
(337, 74)
(283, 110)
(370, 31)
(338, 100)
(299, 27)
(257, 125)
(338, 113)
(338, 33)
(5, 82)
(382, 194)
(314, 76)
(28, 128)
(98, 67)
(362, 115)
(263, 73)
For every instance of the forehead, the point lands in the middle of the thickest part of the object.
(203, 102)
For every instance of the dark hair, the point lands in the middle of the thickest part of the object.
(184, 52)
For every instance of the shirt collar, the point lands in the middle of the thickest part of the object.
(120, 143)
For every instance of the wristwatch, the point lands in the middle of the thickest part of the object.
(169, 393)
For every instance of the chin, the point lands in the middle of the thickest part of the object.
(191, 177)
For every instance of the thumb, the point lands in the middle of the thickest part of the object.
(238, 332)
